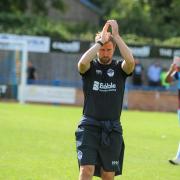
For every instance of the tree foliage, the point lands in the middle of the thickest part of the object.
(31, 17)
(148, 21)
(39, 7)
(148, 18)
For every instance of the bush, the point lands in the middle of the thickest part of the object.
(38, 25)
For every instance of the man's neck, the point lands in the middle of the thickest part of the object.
(109, 62)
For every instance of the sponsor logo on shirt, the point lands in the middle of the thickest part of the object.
(99, 72)
(105, 87)
(96, 86)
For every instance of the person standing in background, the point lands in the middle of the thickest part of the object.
(153, 74)
(31, 73)
(137, 76)
(163, 75)
(172, 75)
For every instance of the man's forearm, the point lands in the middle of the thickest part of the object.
(124, 50)
(87, 57)
(128, 63)
(169, 78)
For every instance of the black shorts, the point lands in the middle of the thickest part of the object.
(90, 151)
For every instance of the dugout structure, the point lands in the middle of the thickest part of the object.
(13, 69)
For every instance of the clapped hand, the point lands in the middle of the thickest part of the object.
(114, 27)
(105, 34)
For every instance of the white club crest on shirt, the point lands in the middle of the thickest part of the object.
(110, 72)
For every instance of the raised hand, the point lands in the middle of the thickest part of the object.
(114, 27)
(105, 34)
(173, 67)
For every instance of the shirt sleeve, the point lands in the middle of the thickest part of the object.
(88, 71)
(175, 76)
(122, 71)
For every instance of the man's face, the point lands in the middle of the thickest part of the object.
(105, 53)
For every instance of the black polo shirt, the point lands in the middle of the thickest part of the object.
(103, 87)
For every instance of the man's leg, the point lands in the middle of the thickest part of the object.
(178, 153)
(86, 172)
(107, 175)
(178, 112)
(176, 159)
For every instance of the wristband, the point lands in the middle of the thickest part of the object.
(99, 42)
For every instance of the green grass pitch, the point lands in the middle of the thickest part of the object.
(37, 143)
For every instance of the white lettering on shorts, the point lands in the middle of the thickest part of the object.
(115, 163)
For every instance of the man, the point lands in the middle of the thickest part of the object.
(153, 74)
(31, 73)
(174, 74)
(138, 74)
(99, 140)
(163, 75)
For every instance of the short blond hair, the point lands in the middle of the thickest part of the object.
(98, 37)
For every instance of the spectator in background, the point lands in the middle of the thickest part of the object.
(137, 77)
(153, 74)
(163, 75)
(31, 73)
(174, 74)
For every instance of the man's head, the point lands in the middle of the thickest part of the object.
(29, 63)
(106, 52)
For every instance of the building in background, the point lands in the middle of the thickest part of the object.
(77, 11)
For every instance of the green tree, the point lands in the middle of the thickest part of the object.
(31, 17)
(149, 18)
(34, 6)
(165, 17)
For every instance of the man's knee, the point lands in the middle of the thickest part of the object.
(87, 171)
(107, 175)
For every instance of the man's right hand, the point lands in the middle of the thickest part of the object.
(114, 27)
(105, 34)
(173, 67)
